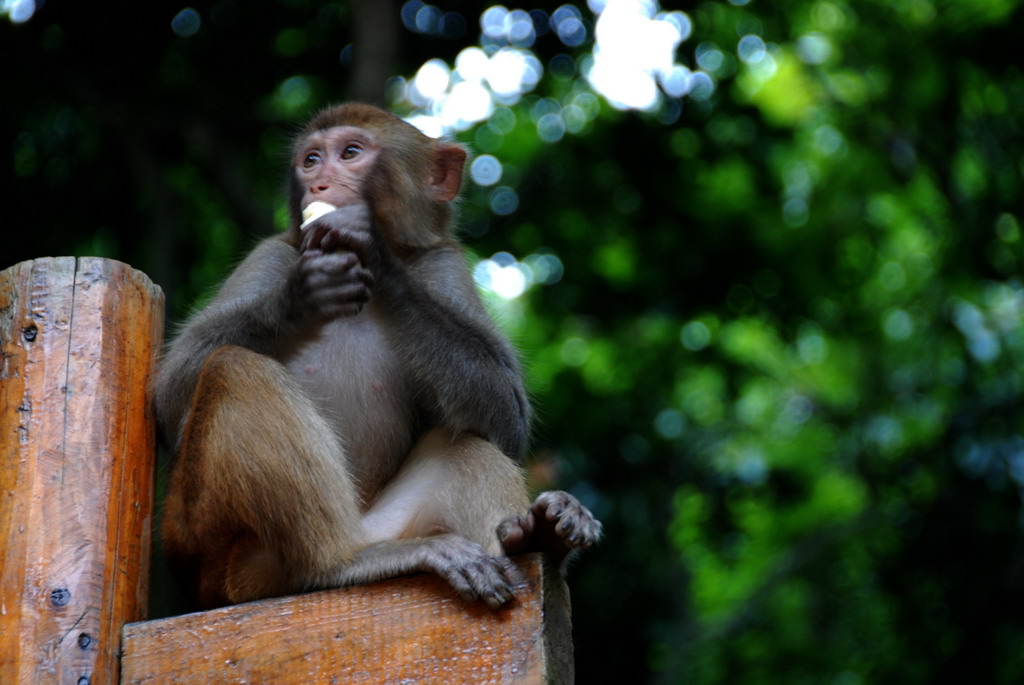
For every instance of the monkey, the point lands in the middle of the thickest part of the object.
(344, 410)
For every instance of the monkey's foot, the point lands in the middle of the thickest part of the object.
(471, 571)
(557, 524)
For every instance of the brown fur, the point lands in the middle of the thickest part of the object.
(344, 410)
(395, 188)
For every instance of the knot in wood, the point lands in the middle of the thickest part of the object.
(60, 597)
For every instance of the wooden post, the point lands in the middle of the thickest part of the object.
(404, 630)
(78, 343)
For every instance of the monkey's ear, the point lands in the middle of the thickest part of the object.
(447, 176)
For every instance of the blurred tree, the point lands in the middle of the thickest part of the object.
(770, 309)
(376, 33)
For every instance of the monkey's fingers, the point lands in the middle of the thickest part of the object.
(321, 269)
(346, 299)
(319, 264)
(360, 243)
(365, 276)
(311, 237)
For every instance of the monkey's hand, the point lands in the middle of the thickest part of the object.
(348, 228)
(330, 279)
(557, 524)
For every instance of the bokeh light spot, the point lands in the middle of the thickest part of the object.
(695, 336)
(186, 23)
(294, 93)
(485, 170)
(432, 79)
(632, 64)
(752, 49)
(702, 86)
(814, 48)
(551, 128)
(503, 201)
(575, 351)
(20, 11)
(547, 268)
(669, 424)
(897, 325)
(502, 275)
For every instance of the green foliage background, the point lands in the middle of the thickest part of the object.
(783, 364)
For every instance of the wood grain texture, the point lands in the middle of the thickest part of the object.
(78, 345)
(405, 630)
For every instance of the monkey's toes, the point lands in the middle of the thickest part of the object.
(489, 580)
(514, 533)
(588, 531)
(567, 520)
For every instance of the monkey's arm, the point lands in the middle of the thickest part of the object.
(460, 363)
(252, 309)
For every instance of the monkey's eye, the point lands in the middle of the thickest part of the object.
(310, 160)
(351, 151)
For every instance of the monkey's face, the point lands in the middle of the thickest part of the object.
(332, 165)
(357, 153)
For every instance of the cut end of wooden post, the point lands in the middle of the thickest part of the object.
(78, 344)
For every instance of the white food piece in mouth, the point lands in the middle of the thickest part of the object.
(315, 210)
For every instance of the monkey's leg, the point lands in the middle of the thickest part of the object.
(465, 485)
(449, 484)
(260, 502)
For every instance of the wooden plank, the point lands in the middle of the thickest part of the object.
(404, 630)
(78, 344)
